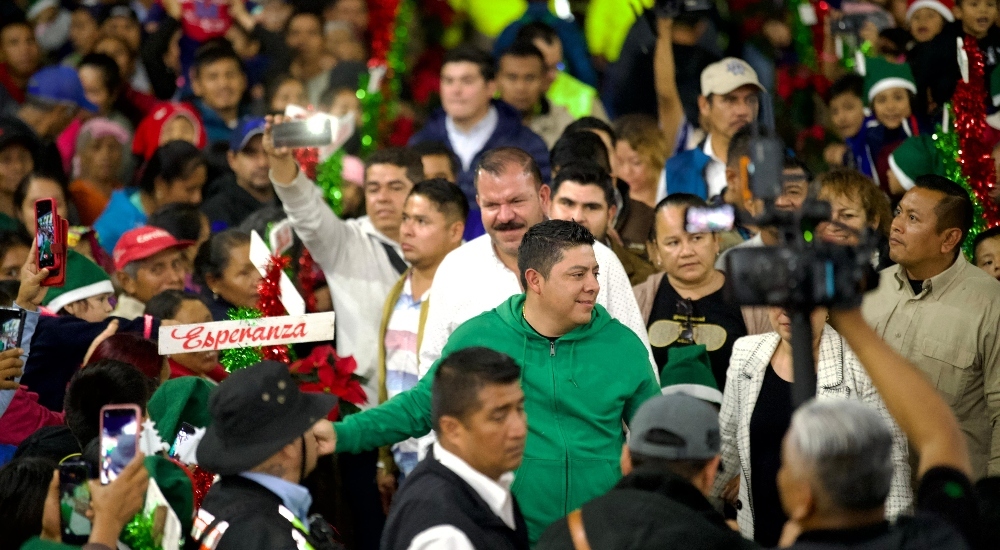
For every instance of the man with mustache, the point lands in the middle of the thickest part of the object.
(584, 375)
(482, 273)
(248, 188)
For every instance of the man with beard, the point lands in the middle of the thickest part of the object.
(248, 188)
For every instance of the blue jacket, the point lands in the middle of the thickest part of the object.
(118, 217)
(510, 132)
(57, 349)
(686, 172)
(575, 50)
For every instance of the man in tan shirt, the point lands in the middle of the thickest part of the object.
(942, 313)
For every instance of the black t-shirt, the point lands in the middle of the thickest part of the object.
(717, 324)
(947, 518)
(770, 420)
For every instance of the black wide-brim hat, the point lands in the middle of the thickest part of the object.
(255, 412)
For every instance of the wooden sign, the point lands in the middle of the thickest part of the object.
(267, 331)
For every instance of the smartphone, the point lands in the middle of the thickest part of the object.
(74, 501)
(45, 232)
(186, 431)
(11, 326)
(710, 219)
(312, 132)
(119, 439)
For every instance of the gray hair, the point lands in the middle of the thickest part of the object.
(848, 448)
(132, 269)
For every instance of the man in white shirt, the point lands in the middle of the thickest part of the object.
(361, 258)
(482, 273)
(459, 497)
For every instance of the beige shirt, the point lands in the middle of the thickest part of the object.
(950, 332)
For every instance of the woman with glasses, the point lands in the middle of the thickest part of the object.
(684, 305)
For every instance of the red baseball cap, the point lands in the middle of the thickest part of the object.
(143, 242)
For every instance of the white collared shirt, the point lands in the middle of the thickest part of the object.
(715, 171)
(471, 280)
(495, 493)
(466, 144)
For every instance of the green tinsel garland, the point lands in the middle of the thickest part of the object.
(947, 144)
(378, 107)
(802, 36)
(329, 177)
(138, 533)
(238, 358)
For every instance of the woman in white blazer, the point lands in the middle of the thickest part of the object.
(759, 381)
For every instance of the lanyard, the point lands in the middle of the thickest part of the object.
(299, 532)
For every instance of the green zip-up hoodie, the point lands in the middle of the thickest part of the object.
(577, 391)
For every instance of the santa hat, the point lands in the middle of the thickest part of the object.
(689, 370)
(83, 280)
(915, 157)
(943, 7)
(881, 75)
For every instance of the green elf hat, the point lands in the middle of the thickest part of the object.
(688, 370)
(881, 75)
(83, 279)
(183, 399)
(915, 157)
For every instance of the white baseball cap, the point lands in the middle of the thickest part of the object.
(727, 75)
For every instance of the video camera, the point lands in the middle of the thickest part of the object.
(802, 271)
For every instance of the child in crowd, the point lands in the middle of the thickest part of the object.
(986, 251)
(916, 156)
(847, 113)
(935, 63)
(283, 91)
(926, 18)
(889, 89)
(87, 294)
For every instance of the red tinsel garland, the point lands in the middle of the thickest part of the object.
(308, 278)
(269, 303)
(308, 158)
(970, 124)
(381, 17)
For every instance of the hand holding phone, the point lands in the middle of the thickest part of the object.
(50, 240)
(120, 425)
(74, 501)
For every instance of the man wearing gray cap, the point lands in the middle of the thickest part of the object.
(729, 100)
(670, 463)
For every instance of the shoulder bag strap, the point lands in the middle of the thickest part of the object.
(576, 530)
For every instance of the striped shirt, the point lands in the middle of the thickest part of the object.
(401, 362)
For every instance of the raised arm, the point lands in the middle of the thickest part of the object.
(668, 99)
(325, 235)
(918, 409)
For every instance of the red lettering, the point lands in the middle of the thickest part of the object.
(191, 340)
(299, 331)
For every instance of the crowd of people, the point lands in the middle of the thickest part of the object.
(547, 352)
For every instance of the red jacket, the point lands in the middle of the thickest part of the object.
(24, 416)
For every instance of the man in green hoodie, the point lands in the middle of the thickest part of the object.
(583, 373)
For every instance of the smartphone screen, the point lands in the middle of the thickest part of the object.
(74, 501)
(119, 440)
(45, 233)
(710, 219)
(183, 434)
(10, 328)
(314, 132)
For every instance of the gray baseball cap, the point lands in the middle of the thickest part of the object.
(676, 426)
